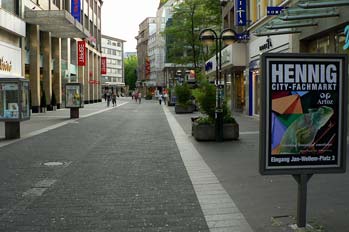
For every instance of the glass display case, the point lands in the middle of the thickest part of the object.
(14, 99)
(73, 95)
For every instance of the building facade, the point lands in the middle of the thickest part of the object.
(42, 38)
(143, 71)
(311, 27)
(113, 50)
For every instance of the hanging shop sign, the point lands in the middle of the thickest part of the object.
(240, 13)
(75, 9)
(274, 10)
(346, 33)
(103, 65)
(81, 53)
(304, 113)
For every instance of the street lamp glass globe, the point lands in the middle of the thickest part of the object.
(207, 38)
(228, 37)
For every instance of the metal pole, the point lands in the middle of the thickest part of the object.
(302, 180)
(217, 115)
(220, 110)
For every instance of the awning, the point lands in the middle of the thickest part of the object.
(59, 22)
(307, 13)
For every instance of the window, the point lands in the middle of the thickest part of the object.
(10, 6)
(114, 44)
(109, 42)
(119, 44)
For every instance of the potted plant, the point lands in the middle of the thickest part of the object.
(149, 96)
(183, 99)
(203, 128)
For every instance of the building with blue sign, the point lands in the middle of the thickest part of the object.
(278, 26)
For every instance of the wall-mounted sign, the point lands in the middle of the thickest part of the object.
(304, 113)
(75, 9)
(10, 60)
(274, 10)
(266, 46)
(240, 13)
(243, 36)
(81, 53)
(103, 65)
(346, 33)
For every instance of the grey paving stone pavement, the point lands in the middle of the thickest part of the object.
(122, 172)
(269, 202)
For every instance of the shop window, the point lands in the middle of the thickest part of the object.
(321, 45)
(340, 39)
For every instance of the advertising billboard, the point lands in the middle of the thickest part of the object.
(304, 113)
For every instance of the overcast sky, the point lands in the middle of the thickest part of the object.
(121, 19)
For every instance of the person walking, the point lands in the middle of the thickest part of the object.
(108, 98)
(114, 99)
(160, 98)
(139, 97)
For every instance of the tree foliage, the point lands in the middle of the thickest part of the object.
(131, 71)
(182, 35)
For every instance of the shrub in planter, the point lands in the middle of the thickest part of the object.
(183, 94)
(203, 127)
(183, 99)
(148, 96)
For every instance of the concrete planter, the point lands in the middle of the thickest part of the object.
(184, 110)
(206, 132)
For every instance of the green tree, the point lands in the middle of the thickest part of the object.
(182, 35)
(131, 71)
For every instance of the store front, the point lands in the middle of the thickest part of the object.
(258, 46)
(234, 61)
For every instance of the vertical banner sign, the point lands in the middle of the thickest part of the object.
(75, 9)
(240, 13)
(81, 53)
(147, 68)
(103, 65)
(304, 114)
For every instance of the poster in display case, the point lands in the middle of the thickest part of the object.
(14, 99)
(73, 95)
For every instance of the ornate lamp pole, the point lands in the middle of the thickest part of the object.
(208, 37)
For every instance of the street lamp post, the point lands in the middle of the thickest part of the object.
(208, 37)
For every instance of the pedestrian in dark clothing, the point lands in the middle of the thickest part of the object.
(114, 99)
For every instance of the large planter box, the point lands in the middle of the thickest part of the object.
(206, 132)
(184, 110)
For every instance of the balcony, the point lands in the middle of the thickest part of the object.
(59, 22)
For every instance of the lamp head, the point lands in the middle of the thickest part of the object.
(207, 37)
(228, 36)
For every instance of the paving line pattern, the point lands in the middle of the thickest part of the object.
(48, 128)
(220, 211)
